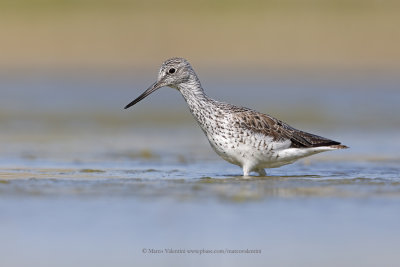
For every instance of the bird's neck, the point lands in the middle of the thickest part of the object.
(193, 93)
(200, 105)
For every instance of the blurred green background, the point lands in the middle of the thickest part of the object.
(109, 34)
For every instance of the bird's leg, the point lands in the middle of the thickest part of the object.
(261, 172)
(246, 172)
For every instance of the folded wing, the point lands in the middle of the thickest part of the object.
(280, 131)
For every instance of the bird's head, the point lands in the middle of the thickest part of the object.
(173, 72)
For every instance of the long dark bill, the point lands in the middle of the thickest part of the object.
(151, 89)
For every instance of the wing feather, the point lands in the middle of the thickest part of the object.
(269, 126)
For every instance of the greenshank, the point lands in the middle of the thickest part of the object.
(242, 136)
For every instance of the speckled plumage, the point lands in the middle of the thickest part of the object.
(239, 135)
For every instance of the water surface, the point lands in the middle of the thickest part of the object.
(83, 182)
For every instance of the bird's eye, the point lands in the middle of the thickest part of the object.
(171, 70)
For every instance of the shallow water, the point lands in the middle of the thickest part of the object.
(79, 188)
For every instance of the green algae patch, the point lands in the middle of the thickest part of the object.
(147, 154)
(91, 171)
(206, 180)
